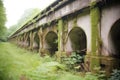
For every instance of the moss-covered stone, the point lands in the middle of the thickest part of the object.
(32, 35)
(49, 23)
(75, 22)
(60, 55)
(60, 31)
(65, 31)
(95, 17)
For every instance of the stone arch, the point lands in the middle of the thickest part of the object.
(36, 41)
(78, 40)
(114, 39)
(28, 40)
(51, 41)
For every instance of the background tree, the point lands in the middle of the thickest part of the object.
(2, 21)
(28, 15)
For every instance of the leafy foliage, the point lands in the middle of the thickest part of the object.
(95, 76)
(19, 64)
(115, 75)
(73, 60)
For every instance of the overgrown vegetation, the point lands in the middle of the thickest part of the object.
(95, 17)
(74, 61)
(115, 75)
(19, 64)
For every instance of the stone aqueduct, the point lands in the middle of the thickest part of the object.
(91, 26)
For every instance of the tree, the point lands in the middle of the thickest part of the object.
(2, 20)
(28, 15)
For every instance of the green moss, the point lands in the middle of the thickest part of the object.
(31, 40)
(65, 28)
(95, 63)
(38, 17)
(95, 17)
(75, 22)
(60, 30)
(48, 23)
(34, 25)
(33, 21)
(52, 9)
(60, 25)
(46, 13)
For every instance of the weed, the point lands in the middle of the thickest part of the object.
(19, 64)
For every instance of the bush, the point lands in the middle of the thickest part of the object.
(115, 75)
(73, 60)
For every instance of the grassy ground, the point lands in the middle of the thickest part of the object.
(19, 64)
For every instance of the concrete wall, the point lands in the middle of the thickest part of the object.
(110, 15)
(76, 14)
(85, 24)
(83, 21)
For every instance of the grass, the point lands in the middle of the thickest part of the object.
(19, 64)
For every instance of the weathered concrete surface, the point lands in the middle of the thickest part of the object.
(109, 16)
(83, 21)
(94, 20)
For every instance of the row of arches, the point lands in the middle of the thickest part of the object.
(78, 40)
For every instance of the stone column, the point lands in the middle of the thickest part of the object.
(60, 40)
(60, 33)
(32, 35)
(20, 41)
(95, 37)
(25, 40)
(24, 35)
(41, 41)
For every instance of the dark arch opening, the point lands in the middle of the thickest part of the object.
(114, 39)
(28, 40)
(51, 40)
(36, 42)
(78, 39)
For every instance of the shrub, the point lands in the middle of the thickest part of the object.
(73, 60)
(115, 75)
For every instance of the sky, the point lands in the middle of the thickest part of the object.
(15, 8)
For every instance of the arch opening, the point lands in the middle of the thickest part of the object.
(114, 40)
(28, 40)
(36, 42)
(52, 44)
(78, 41)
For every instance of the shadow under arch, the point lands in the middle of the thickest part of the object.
(78, 40)
(36, 41)
(114, 39)
(51, 40)
(28, 40)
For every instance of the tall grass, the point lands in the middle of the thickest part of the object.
(19, 64)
